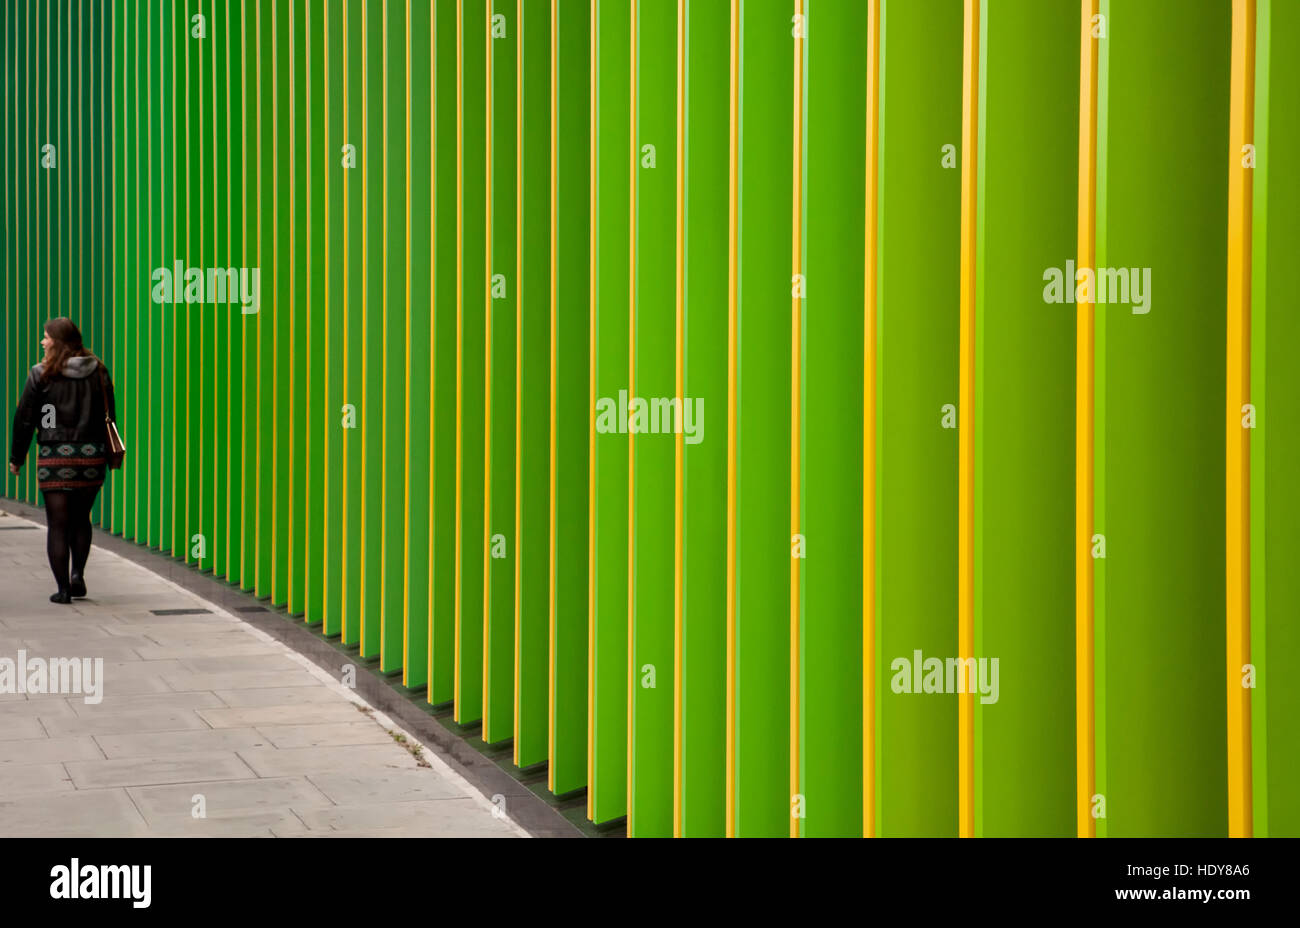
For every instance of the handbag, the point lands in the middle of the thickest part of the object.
(116, 447)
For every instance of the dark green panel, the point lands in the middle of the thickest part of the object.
(471, 536)
(395, 455)
(352, 258)
(282, 280)
(319, 417)
(654, 383)
(299, 245)
(834, 218)
(1024, 476)
(266, 494)
(442, 602)
(370, 411)
(419, 348)
(918, 224)
(234, 323)
(703, 669)
(761, 668)
(570, 307)
(532, 544)
(1275, 444)
(1160, 610)
(334, 309)
(499, 465)
(607, 799)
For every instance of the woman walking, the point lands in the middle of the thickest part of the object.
(64, 404)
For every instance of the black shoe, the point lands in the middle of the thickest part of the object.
(77, 586)
(61, 597)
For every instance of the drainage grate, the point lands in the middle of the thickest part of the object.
(17, 528)
(180, 611)
(252, 609)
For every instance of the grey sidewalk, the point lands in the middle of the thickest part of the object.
(198, 712)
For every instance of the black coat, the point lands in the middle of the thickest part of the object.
(79, 397)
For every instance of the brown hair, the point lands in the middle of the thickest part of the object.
(67, 344)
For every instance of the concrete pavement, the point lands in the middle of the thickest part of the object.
(206, 726)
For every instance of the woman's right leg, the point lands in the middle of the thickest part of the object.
(57, 538)
(83, 501)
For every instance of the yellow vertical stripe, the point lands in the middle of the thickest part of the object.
(631, 391)
(554, 353)
(733, 293)
(796, 416)
(679, 442)
(1084, 404)
(966, 429)
(434, 311)
(869, 430)
(487, 373)
(519, 332)
(406, 458)
(460, 311)
(365, 325)
(1241, 129)
(591, 439)
(347, 317)
(325, 307)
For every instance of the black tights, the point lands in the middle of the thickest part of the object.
(67, 515)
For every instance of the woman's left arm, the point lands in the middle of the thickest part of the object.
(24, 425)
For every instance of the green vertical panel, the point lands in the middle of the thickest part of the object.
(834, 220)
(249, 325)
(761, 776)
(1275, 386)
(268, 312)
(163, 317)
(917, 376)
(232, 322)
(654, 382)
(151, 400)
(371, 410)
(470, 541)
(136, 271)
(419, 347)
(218, 249)
(196, 443)
(532, 537)
(703, 667)
(1024, 478)
(442, 449)
(570, 307)
(607, 799)
(352, 179)
(1161, 372)
(179, 346)
(499, 463)
(333, 307)
(395, 453)
(281, 281)
(317, 415)
(296, 437)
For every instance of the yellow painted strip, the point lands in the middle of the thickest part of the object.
(869, 429)
(631, 391)
(966, 429)
(434, 310)
(325, 307)
(1084, 411)
(519, 333)
(347, 190)
(487, 373)
(406, 458)
(365, 327)
(259, 514)
(679, 471)
(275, 339)
(733, 266)
(555, 236)
(460, 310)
(383, 392)
(796, 421)
(591, 442)
(1241, 129)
